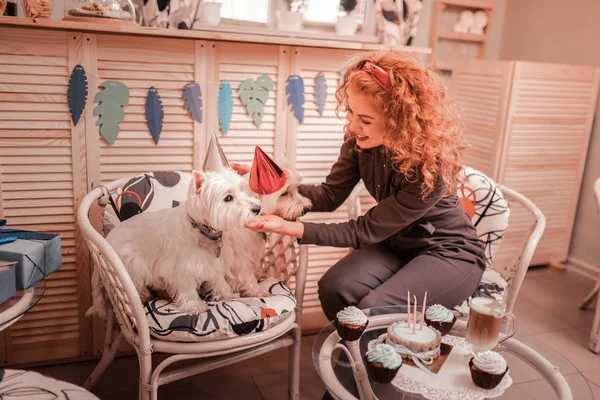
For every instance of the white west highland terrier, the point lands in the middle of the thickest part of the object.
(180, 250)
(277, 187)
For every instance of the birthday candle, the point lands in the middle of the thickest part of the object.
(408, 319)
(415, 315)
(423, 312)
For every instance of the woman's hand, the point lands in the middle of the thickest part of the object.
(241, 169)
(275, 224)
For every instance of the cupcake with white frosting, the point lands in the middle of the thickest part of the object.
(351, 323)
(440, 318)
(383, 363)
(488, 369)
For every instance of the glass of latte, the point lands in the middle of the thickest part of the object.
(486, 319)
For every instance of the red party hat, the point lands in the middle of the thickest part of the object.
(265, 176)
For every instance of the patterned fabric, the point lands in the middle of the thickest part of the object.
(223, 319)
(18, 384)
(148, 192)
(488, 209)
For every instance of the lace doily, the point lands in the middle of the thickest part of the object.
(452, 382)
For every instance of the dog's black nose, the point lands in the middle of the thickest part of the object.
(256, 210)
(305, 210)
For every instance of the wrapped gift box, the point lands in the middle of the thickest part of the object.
(35, 259)
(8, 288)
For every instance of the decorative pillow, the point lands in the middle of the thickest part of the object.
(148, 192)
(34, 386)
(223, 319)
(485, 204)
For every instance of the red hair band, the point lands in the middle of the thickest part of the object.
(378, 74)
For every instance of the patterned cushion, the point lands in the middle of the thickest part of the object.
(151, 192)
(30, 385)
(223, 319)
(485, 204)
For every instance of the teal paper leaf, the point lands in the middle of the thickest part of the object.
(320, 92)
(225, 102)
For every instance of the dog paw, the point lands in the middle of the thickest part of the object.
(193, 307)
(256, 292)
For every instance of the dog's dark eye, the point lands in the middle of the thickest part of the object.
(228, 198)
(286, 193)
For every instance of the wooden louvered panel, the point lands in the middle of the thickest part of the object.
(236, 63)
(315, 145)
(42, 179)
(548, 127)
(139, 67)
(481, 91)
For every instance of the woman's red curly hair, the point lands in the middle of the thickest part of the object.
(424, 129)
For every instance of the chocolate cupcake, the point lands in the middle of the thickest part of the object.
(351, 323)
(440, 318)
(488, 369)
(383, 363)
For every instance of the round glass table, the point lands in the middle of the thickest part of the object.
(12, 310)
(535, 369)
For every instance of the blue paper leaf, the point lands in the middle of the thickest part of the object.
(154, 113)
(225, 105)
(320, 92)
(77, 93)
(295, 95)
(192, 96)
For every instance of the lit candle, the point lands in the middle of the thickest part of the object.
(415, 315)
(423, 312)
(408, 314)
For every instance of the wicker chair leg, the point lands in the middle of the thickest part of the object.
(111, 348)
(590, 297)
(294, 365)
(594, 342)
(147, 390)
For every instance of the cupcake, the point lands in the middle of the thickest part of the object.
(351, 323)
(383, 363)
(440, 318)
(487, 369)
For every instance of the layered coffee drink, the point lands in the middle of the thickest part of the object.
(485, 320)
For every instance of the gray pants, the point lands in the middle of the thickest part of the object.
(377, 276)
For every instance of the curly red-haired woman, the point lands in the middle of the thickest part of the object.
(403, 139)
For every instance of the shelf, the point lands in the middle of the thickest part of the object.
(217, 33)
(465, 37)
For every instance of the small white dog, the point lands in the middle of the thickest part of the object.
(197, 245)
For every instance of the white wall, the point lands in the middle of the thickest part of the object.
(552, 31)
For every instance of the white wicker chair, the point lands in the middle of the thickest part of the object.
(284, 259)
(520, 263)
(594, 342)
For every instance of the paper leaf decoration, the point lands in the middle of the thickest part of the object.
(254, 95)
(295, 95)
(341, 78)
(77, 93)
(112, 99)
(320, 92)
(192, 97)
(154, 113)
(225, 105)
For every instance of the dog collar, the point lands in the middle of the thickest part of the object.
(210, 234)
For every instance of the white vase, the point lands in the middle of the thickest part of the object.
(346, 25)
(289, 20)
(210, 13)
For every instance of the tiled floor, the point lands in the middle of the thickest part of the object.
(547, 310)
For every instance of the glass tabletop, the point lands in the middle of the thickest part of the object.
(15, 308)
(537, 371)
